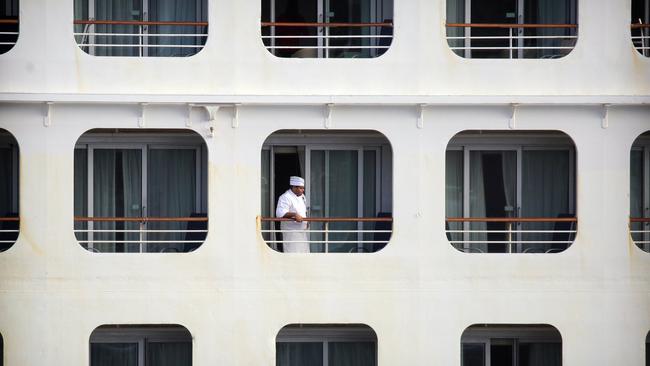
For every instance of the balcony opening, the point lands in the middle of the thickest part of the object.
(140, 345)
(326, 345)
(141, 28)
(8, 25)
(327, 29)
(510, 192)
(511, 345)
(347, 197)
(140, 191)
(512, 28)
(641, 26)
(640, 192)
(9, 165)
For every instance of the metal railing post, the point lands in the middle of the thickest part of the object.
(327, 236)
(509, 237)
(510, 41)
(140, 235)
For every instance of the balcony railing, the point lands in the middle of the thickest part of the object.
(494, 40)
(8, 33)
(104, 234)
(506, 234)
(346, 236)
(641, 38)
(640, 232)
(9, 228)
(141, 38)
(324, 40)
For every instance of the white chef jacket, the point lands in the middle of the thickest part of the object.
(296, 242)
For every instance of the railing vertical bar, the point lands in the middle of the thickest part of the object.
(327, 237)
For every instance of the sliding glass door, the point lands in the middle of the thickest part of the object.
(125, 182)
(501, 182)
(341, 181)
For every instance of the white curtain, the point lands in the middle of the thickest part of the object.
(543, 354)
(477, 199)
(117, 10)
(454, 191)
(117, 192)
(551, 12)
(352, 354)
(179, 11)
(171, 192)
(316, 194)
(343, 193)
(113, 354)
(545, 190)
(169, 354)
(299, 354)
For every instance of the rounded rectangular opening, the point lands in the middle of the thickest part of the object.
(9, 25)
(135, 28)
(511, 345)
(9, 190)
(326, 345)
(140, 191)
(327, 29)
(141, 345)
(346, 203)
(640, 192)
(512, 29)
(510, 192)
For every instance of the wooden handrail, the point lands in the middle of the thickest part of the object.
(511, 219)
(639, 25)
(8, 21)
(507, 25)
(331, 219)
(137, 22)
(639, 219)
(9, 219)
(326, 25)
(140, 219)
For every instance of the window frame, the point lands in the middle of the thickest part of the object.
(328, 334)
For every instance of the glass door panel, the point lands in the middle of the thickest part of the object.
(172, 181)
(114, 354)
(493, 193)
(343, 196)
(169, 353)
(117, 192)
(546, 191)
(352, 353)
(297, 38)
(334, 192)
(299, 353)
(454, 192)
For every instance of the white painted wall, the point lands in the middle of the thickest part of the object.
(234, 62)
(234, 293)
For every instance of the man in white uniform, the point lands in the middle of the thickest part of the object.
(292, 205)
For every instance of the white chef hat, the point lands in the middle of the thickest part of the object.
(296, 181)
